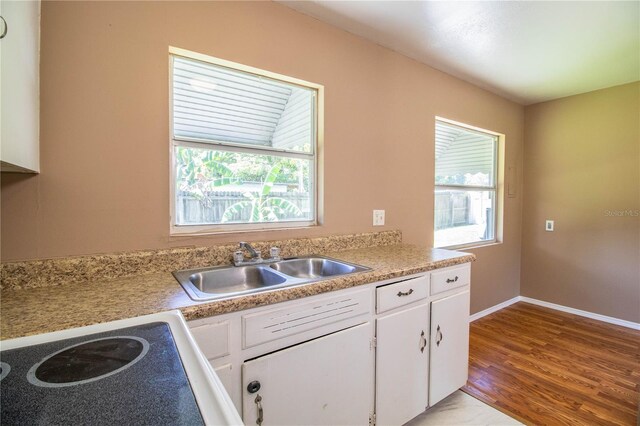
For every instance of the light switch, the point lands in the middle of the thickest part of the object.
(549, 226)
(378, 217)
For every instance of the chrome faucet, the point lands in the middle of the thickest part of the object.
(255, 257)
(253, 254)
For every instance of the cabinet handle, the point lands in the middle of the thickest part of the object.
(439, 336)
(449, 280)
(423, 342)
(5, 28)
(260, 412)
(406, 293)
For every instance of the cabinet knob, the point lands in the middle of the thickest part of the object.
(423, 342)
(253, 387)
(3, 28)
(405, 293)
(449, 280)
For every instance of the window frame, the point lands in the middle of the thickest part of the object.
(495, 188)
(315, 156)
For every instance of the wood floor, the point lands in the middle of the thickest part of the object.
(545, 367)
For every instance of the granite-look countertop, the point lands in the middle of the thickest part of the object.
(31, 311)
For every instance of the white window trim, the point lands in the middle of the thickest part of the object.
(316, 155)
(495, 188)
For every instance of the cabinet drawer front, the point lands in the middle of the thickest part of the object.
(393, 295)
(267, 326)
(450, 278)
(213, 339)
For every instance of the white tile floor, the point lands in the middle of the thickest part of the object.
(461, 409)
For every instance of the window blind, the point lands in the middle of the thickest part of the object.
(464, 157)
(214, 103)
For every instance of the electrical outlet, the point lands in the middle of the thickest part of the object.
(378, 217)
(549, 226)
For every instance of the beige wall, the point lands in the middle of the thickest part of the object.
(104, 184)
(582, 159)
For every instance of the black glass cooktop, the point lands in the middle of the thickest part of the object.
(131, 375)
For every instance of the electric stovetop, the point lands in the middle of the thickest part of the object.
(130, 375)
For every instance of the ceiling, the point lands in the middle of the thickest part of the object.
(526, 51)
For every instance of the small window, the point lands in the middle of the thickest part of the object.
(244, 147)
(465, 186)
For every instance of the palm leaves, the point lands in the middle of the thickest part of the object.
(199, 172)
(263, 208)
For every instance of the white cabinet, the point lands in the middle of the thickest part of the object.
(325, 381)
(20, 87)
(402, 366)
(317, 361)
(449, 345)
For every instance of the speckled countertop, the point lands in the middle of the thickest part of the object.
(25, 312)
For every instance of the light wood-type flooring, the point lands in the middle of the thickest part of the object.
(546, 367)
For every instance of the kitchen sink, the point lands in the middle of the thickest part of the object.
(231, 281)
(313, 267)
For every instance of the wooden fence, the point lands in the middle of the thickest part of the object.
(191, 210)
(451, 209)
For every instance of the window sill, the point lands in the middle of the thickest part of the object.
(472, 246)
(204, 230)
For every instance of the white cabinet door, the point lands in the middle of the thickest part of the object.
(449, 345)
(326, 381)
(402, 365)
(20, 87)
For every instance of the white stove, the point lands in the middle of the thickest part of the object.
(144, 370)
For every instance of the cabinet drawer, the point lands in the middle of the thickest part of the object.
(450, 278)
(267, 326)
(393, 295)
(212, 339)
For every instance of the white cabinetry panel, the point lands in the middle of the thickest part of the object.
(450, 278)
(213, 339)
(402, 365)
(403, 293)
(230, 381)
(266, 326)
(20, 87)
(326, 381)
(449, 345)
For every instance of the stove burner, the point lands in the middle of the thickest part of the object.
(4, 370)
(88, 361)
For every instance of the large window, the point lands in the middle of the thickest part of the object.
(244, 146)
(465, 186)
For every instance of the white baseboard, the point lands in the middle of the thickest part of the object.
(494, 308)
(587, 314)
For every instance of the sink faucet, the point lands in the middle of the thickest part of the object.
(255, 256)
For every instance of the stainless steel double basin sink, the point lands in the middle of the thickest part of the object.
(230, 281)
